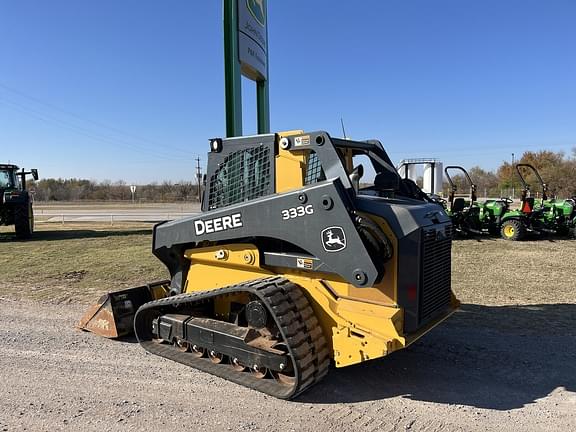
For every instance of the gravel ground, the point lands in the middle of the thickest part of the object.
(506, 363)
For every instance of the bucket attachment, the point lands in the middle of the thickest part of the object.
(113, 315)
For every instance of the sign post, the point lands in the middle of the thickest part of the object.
(246, 53)
(133, 191)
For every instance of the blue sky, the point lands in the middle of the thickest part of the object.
(133, 89)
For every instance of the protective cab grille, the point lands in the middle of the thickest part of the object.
(314, 170)
(435, 292)
(242, 175)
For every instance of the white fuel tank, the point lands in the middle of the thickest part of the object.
(433, 178)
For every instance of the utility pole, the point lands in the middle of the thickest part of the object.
(198, 177)
(513, 191)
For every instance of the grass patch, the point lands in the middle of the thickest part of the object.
(494, 271)
(77, 262)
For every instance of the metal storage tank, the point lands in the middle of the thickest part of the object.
(433, 178)
(408, 171)
(433, 174)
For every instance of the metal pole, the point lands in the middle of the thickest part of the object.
(233, 83)
(433, 168)
(513, 189)
(263, 94)
(263, 107)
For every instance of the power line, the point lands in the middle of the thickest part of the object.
(95, 123)
(84, 131)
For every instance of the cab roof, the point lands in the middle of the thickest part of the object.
(8, 166)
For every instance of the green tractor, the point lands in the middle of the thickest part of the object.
(549, 216)
(470, 217)
(529, 218)
(16, 205)
(563, 214)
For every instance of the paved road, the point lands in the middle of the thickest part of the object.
(111, 213)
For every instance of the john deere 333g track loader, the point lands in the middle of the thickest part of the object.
(291, 265)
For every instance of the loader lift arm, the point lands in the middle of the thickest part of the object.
(331, 199)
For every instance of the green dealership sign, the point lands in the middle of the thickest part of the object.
(252, 39)
(246, 53)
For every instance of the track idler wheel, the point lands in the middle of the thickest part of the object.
(197, 351)
(258, 371)
(215, 357)
(256, 314)
(286, 375)
(236, 365)
(181, 345)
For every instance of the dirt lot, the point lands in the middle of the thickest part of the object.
(506, 361)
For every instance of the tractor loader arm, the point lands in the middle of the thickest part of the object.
(295, 220)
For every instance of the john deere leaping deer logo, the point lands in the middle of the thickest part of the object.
(333, 239)
(256, 8)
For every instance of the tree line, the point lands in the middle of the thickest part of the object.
(555, 168)
(90, 190)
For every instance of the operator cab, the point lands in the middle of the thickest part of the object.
(381, 180)
(8, 177)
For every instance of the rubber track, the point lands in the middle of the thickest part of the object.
(294, 318)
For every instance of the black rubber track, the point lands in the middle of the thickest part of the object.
(294, 318)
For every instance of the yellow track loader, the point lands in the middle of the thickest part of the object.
(294, 263)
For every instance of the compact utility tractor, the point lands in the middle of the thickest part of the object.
(291, 266)
(562, 215)
(469, 216)
(15, 204)
(548, 216)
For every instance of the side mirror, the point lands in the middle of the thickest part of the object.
(34, 173)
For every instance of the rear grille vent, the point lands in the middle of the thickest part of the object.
(435, 294)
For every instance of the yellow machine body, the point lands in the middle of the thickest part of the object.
(362, 323)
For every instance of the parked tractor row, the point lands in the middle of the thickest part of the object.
(495, 216)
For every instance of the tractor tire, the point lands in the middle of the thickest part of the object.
(24, 221)
(513, 230)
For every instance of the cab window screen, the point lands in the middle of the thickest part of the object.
(243, 175)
